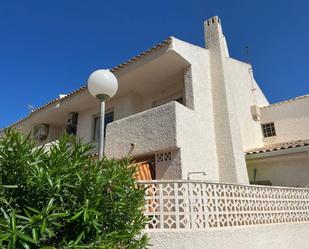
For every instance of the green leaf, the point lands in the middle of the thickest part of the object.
(22, 217)
(4, 236)
(43, 226)
(35, 235)
(25, 245)
(10, 186)
(77, 215)
(5, 216)
(26, 238)
(50, 205)
(33, 210)
(79, 238)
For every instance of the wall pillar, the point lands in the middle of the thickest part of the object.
(231, 160)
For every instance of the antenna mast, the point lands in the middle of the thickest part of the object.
(250, 69)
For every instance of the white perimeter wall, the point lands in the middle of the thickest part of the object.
(283, 236)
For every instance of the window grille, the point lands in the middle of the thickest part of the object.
(269, 130)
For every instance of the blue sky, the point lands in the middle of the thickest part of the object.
(50, 47)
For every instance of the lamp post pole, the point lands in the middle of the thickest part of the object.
(102, 84)
(101, 97)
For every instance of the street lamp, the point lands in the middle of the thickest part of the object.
(102, 84)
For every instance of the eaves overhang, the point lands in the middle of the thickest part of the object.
(278, 149)
(115, 70)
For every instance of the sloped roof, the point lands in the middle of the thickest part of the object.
(82, 88)
(278, 146)
(286, 101)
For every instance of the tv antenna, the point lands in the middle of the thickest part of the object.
(248, 55)
(250, 69)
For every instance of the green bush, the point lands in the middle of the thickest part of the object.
(65, 199)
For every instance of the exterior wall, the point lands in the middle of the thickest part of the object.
(85, 123)
(146, 132)
(291, 120)
(198, 144)
(169, 90)
(168, 168)
(165, 128)
(287, 236)
(232, 167)
(53, 134)
(240, 76)
(283, 170)
(125, 106)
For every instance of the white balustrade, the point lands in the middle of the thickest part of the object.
(197, 204)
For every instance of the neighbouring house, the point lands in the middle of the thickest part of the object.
(189, 112)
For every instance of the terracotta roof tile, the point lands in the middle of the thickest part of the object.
(278, 146)
(49, 103)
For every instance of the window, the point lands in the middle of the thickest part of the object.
(269, 130)
(109, 117)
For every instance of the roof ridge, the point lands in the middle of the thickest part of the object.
(278, 146)
(286, 101)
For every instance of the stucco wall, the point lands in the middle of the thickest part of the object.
(169, 169)
(198, 145)
(125, 106)
(149, 131)
(239, 74)
(284, 170)
(291, 120)
(231, 161)
(170, 127)
(285, 236)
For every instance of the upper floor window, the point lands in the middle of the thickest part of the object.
(71, 127)
(109, 117)
(269, 129)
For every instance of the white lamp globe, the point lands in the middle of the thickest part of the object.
(102, 83)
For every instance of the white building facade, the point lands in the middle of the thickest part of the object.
(192, 112)
(197, 118)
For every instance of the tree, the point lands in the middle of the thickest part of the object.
(63, 198)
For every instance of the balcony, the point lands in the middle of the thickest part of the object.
(147, 132)
(204, 205)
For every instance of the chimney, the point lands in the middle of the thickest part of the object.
(231, 162)
(214, 37)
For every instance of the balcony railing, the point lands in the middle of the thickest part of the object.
(199, 205)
